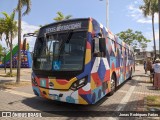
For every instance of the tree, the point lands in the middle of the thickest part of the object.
(2, 27)
(149, 8)
(21, 4)
(159, 24)
(61, 16)
(10, 31)
(1, 50)
(135, 39)
(36, 31)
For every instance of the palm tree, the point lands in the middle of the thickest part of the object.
(61, 16)
(149, 9)
(10, 30)
(159, 24)
(21, 4)
(1, 49)
(2, 27)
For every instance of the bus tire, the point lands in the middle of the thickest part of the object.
(130, 77)
(113, 84)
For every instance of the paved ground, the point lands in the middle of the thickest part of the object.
(129, 97)
(25, 73)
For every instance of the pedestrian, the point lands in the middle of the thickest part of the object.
(149, 68)
(152, 73)
(156, 68)
(145, 66)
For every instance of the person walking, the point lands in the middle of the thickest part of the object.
(145, 66)
(149, 68)
(152, 73)
(156, 68)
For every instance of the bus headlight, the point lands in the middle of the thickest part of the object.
(78, 84)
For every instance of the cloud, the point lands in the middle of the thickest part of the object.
(148, 20)
(149, 35)
(136, 14)
(27, 28)
(144, 21)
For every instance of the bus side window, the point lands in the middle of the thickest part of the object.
(114, 43)
(125, 51)
(121, 49)
(115, 46)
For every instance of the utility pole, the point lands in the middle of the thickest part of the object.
(107, 13)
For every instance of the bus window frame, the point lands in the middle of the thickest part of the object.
(84, 55)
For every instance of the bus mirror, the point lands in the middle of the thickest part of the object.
(97, 51)
(95, 46)
(102, 46)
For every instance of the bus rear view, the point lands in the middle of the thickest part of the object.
(65, 66)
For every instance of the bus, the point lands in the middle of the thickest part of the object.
(79, 61)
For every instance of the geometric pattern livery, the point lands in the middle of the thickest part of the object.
(119, 59)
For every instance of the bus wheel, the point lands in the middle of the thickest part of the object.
(130, 77)
(113, 84)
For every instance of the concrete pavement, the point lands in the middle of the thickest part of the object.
(129, 97)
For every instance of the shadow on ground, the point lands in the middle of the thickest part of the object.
(60, 109)
(100, 109)
(5, 81)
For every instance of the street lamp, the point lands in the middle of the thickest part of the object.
(107, 12)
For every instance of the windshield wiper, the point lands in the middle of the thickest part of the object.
(68, 37)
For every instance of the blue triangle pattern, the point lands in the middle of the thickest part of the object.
(87, 98)
(101, 70)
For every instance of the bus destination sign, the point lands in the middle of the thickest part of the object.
(62, 27)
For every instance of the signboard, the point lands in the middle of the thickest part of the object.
(61, 27)
(64, 26)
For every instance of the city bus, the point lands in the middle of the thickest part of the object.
(79, 61)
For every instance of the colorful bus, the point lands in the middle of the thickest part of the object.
(79, 61)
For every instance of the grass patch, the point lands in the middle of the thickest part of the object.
(10, 75)
(10, 85)
(153, 101)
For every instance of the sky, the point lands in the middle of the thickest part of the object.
(123, 14)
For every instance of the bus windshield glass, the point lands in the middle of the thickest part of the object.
(60, 51)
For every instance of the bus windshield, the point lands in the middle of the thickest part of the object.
(58, 52)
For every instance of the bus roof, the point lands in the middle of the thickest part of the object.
(63, 21)
(110, 34)
(116, 38)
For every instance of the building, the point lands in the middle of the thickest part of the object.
(140, 56)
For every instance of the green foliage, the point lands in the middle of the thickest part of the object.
(2, 27)
(149, 8)
(9, 27)
(135, 39)
(10, 74)
(60, 16)
(24, 3)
